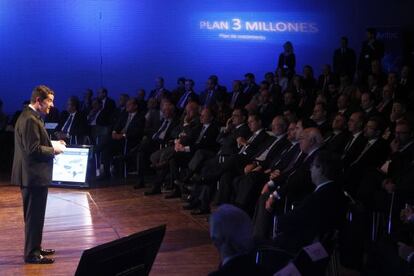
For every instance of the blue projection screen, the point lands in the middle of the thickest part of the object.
(124, 45)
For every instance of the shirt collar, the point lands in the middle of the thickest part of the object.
(322, 184)
(238, 126)
(357, 134)
(278, 137)
(258, 131)
(312, 151)
(32, 107)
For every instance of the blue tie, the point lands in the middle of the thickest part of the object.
(161, 130)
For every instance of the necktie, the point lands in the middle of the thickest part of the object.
(183, 99)
(233, 99)
(203, 130)
(67, 124)
(208, 98)
(128, 122)
(92, 118)
(161, 129)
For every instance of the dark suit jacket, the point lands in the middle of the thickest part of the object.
(33, 152)
(108, 110)
(192, 96)
(267, 113)
(275, 151)
(375, 156)
(288, 63)
(79, 124)
(135, 130)
(228, 140)
(240, 101)
(369, 54)
(243, 265)
(336, 143)
(256, 144)
(344, 63)
(250, 91)
(353, 152)
(400, 162)
(163, 92)
(216, 95)
(208, 140)
(298, 182)
(320, 212)
(372, 158)
(286, 157)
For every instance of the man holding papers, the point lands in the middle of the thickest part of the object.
(32, 170)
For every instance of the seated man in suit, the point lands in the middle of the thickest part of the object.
(290, 186)
(73, 126)
(232, 234)
(214, 168)
(336, 140)
(372, 156)
(320, 117)
(319, 213)
(247, 188)
(186, 131)
(356, 141)
(152, 142)
(159, 91)
(237, 98)
(368, 105)
(126, 134)
(203, 140)
(189, 95)
(273, 147)
(212, 92)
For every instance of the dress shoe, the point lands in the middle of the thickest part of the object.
(174, 194)
(152, 192)
(38, 260)
(103, 177)
(46, 252)
(140, 184)
(188, 198)
(180, 183)
(196, 178)
(199, 212)
(191, 205)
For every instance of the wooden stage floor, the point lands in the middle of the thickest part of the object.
(80, 219)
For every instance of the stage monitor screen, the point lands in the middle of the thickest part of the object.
(71, 165)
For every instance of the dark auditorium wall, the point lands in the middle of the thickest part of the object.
(123, 45)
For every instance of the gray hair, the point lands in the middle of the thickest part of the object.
(231, 229)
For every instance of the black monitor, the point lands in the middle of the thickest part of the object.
(131, 255)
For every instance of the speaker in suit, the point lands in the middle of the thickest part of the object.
(32, 169)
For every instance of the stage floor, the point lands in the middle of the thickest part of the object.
(80, 219)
